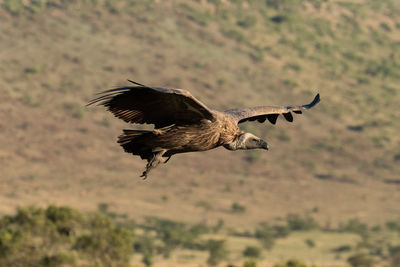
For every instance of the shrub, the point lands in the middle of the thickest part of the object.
(201, 18)
(257, 55)
(61, 259)
(384, 68)
(293, 66)
(61, 235)
(198, 229)
(105, 244)
(217, 250)
(250, 263)
(360, 260)
(291, 84)
(279, 18)
(355, 226)
(204, 204)
(266, 235)
(283, 4)
(147, 260)
(252, 252)
(175, 234)
(247, 21)
(14, 6)
(393, 225)
(220, 224)
(144, 244)
(234, 34)
(292, 263)
(310, 243)
(237, 208)
(343, 248)
(297, 223)
(394, 250)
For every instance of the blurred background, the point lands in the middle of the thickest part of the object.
(327, 192)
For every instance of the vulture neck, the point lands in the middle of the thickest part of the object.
(247, 141)
(238, 143)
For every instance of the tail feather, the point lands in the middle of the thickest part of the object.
(129, 135)
(136, 142)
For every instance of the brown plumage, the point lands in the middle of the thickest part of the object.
(182, 123)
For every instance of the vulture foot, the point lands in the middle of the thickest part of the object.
(155, 160)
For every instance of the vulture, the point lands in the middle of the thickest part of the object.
(182, 123)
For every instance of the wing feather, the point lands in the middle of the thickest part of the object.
(271, 113)
(159, 106)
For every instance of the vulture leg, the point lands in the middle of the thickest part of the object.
(153, 162)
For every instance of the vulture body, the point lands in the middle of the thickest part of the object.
(182, 123)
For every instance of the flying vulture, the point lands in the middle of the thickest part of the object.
(182, 123)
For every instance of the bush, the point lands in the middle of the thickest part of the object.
(14, 6)
(384, 68)
(250, 263)
(147, 260)
(237, 208)
(60, 259)
(360, 260)
(61, 235)
(292, 263)
(279, 18)
(310, 243)
(234, 34)
(217, 250)
(252, 252)
(247, 21)
(394, 250)
(267, 234)
(283, 4)
(355, 226)
(220, 224)
(175, 234)
(293, 66)
(257, 55)
(297, 223)
(105, 244)
(343, 248)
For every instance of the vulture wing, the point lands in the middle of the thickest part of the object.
(159, 106)
(271, 113)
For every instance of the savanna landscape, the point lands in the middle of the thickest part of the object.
(326, 193)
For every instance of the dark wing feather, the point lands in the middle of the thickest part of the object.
(159, 106)
(269, 112)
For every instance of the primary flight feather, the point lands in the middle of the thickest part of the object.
(182, 123)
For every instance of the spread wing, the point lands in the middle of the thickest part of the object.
(271, 113)
(159, 106)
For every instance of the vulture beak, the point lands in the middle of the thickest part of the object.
(264, 145)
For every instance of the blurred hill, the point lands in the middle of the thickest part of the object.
(340, 160)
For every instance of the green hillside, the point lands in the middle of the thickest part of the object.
(338, 161)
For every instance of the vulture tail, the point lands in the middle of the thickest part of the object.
(136, 142)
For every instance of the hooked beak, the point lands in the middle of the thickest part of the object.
(264, 145)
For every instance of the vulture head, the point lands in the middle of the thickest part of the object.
(250, 141)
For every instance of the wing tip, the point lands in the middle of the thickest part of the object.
(315, 101)
(317, 98)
